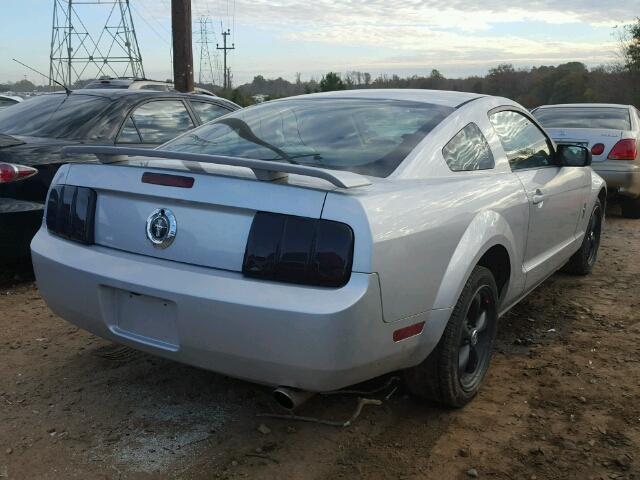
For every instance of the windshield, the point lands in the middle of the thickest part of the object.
(371, 137)
(51, 116)
(584, 117)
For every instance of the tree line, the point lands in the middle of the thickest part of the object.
(570, 82)
(567, 83)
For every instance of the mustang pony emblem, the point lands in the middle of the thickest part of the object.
(161, 227)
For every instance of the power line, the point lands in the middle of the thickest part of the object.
(159, 35)
(233, 20)
(153, 17)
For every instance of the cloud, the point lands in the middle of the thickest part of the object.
(458, 14)
(439, 32)
(455, 47)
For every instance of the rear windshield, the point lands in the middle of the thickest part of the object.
(584, 117)
(52, 116)
(371, 137)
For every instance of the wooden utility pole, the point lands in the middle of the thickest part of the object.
(182, 49)
(227, 79)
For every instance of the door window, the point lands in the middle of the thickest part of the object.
(524, 143)
(208, 111)
(157, 122)
(468, 150)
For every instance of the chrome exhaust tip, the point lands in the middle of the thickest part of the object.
(291, 398)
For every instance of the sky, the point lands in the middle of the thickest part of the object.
(281, 37)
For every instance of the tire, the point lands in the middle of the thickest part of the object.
(445, 377)
(631, 208)
(583, 261)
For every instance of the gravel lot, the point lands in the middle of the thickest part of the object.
(562, 400)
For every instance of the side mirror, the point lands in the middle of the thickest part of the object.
(573, 156)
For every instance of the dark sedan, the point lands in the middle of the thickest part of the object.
(33, 133)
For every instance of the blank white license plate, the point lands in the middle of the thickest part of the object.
(146, 319)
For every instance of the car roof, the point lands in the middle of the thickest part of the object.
(581, 105)
(139, 84)
(117, 93)
(123, 92)
(438, 97)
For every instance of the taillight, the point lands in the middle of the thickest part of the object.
(12, 173)
(626, 149)
(597, 149)
(287, 248)
(71, 212)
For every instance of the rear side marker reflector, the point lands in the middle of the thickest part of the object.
(597, 149)
(406, 332)
(167, 180)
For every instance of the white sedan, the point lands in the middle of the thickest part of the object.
(8, 100)
(612, 133)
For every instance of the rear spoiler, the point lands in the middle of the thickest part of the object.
(263, 169)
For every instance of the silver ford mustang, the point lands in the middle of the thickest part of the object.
(319, 241)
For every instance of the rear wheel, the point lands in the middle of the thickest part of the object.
(631, 208)
(583, 261)
(452, 374)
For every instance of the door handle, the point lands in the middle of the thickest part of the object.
(538, 197)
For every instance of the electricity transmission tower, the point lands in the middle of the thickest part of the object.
(76, 53)
(207, 65)
(227, 76)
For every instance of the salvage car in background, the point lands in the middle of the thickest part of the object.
(33, 133)
(319, 241)
(8, 100)
(612, 132)
(140, 84)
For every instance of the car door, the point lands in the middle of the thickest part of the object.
(155, 122)
(557, 195)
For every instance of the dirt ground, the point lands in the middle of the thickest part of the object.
(562, 400)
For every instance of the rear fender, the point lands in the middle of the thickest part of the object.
(486, 230)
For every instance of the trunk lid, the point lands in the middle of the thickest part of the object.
(213, 216)
(588, 137)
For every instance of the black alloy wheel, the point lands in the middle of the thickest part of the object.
(476, 341)
(453, 372)
(583, 261)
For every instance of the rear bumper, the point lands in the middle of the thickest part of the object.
(19, 221)
(622, 180)
(311, 338)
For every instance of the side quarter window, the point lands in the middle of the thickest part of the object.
(129, 133)
(208, 111)
(524, 143)
(468, 150)
(157, 122)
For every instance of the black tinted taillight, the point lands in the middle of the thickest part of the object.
(71, 212)
(310, 251)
